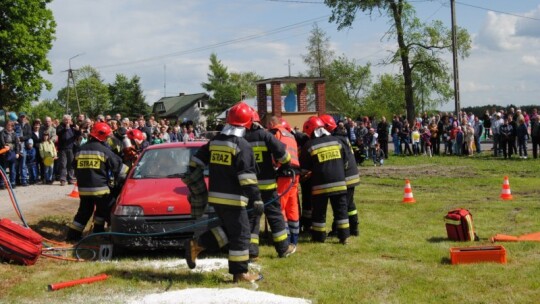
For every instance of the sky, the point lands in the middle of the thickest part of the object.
(167, 43)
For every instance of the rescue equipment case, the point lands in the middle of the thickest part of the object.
(18, 243)
(459, 225)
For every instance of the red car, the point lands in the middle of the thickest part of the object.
(154, 200)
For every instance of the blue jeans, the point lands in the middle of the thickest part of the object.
(49, 173)
(397, 144)
(23, 170)
(12, 166)
(33, 172)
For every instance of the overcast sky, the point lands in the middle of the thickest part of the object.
(167, 43)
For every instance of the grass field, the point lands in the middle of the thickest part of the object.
(401, 255)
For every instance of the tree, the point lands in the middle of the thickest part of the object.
(385, 97)
(127, 97)
(346, 84)
(223, 93)
(27, 30)
(319, 55)
(93, 94)
(46, 108)
(419, 45)
(246, 83)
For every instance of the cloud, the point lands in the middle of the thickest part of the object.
(498, 32)
(528, 27)
(530, 60)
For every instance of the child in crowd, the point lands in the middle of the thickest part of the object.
(426, 136)
(378, 155)
(459, 141)
(31, 165)
(415, 135)
(48, 154)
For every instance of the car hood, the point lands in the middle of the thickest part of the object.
(164, 196)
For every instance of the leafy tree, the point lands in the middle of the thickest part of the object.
(93, 94)
(385, 97)
(127, 97)
(27, 30)
(420, 46)
(246, 82)
(347, 83)
(319, 55)
(223, 92)
(46, 108)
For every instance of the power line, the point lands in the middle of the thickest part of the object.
(220, 44)
(497, 11)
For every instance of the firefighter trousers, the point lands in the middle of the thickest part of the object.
(305, 219)
(272, 211)
(339, 207)
(87, 205)
(352, 212)
(233, 232)
(289, 205)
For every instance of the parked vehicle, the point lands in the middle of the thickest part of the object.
(154, 200)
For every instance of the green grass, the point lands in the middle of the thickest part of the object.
(401, 255)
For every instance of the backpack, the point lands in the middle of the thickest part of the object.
(459, 225)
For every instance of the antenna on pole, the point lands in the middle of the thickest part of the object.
(72, 78)
(289, 64)
(164, 80)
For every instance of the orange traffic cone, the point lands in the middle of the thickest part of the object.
(75, 192)
(408, 196)
(505, 193)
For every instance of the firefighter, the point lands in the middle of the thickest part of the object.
(94, 165)
(266, 149)
(352, 178)
(133, 145)
(232, 188)
(289, 200)
(324, 155)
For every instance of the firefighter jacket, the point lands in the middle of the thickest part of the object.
(352, 179)
(265, 146)
(289, 140)
(94, 163)
(231, 165)
(325, 157)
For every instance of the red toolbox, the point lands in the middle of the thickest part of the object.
(478, 254)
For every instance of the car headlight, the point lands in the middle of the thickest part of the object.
(128, 211)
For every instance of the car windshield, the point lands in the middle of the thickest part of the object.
(163, 163)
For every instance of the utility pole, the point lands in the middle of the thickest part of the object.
(164, 80)
(289, 64)
(455, 57)
(70, 77)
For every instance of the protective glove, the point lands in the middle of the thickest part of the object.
(257, 208)
(285, 170)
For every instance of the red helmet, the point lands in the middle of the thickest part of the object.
(329, 122)
(285, 124)
(255, 116)
(101, 131)
(135, 134)
(240, 115)
(311, 124)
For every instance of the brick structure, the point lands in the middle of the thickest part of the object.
(261, 99)
(301, 93)
(276, 98)
(301, 97)
(320, 97)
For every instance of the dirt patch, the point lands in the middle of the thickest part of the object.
(423, 170)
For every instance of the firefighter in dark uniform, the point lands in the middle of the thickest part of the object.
(324, 155)
(94, 165)
(267, 149)
(232, 190)
(352, 179)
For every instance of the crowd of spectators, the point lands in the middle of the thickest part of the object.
(41, 151)
(445, 134)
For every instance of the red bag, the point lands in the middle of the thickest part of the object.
(18, 243)
(459, 225)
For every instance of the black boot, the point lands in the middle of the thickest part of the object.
(73, 235)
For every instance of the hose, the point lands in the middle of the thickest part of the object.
(203, 222)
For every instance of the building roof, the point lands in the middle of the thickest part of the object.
(290, 80)
(173, 106)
